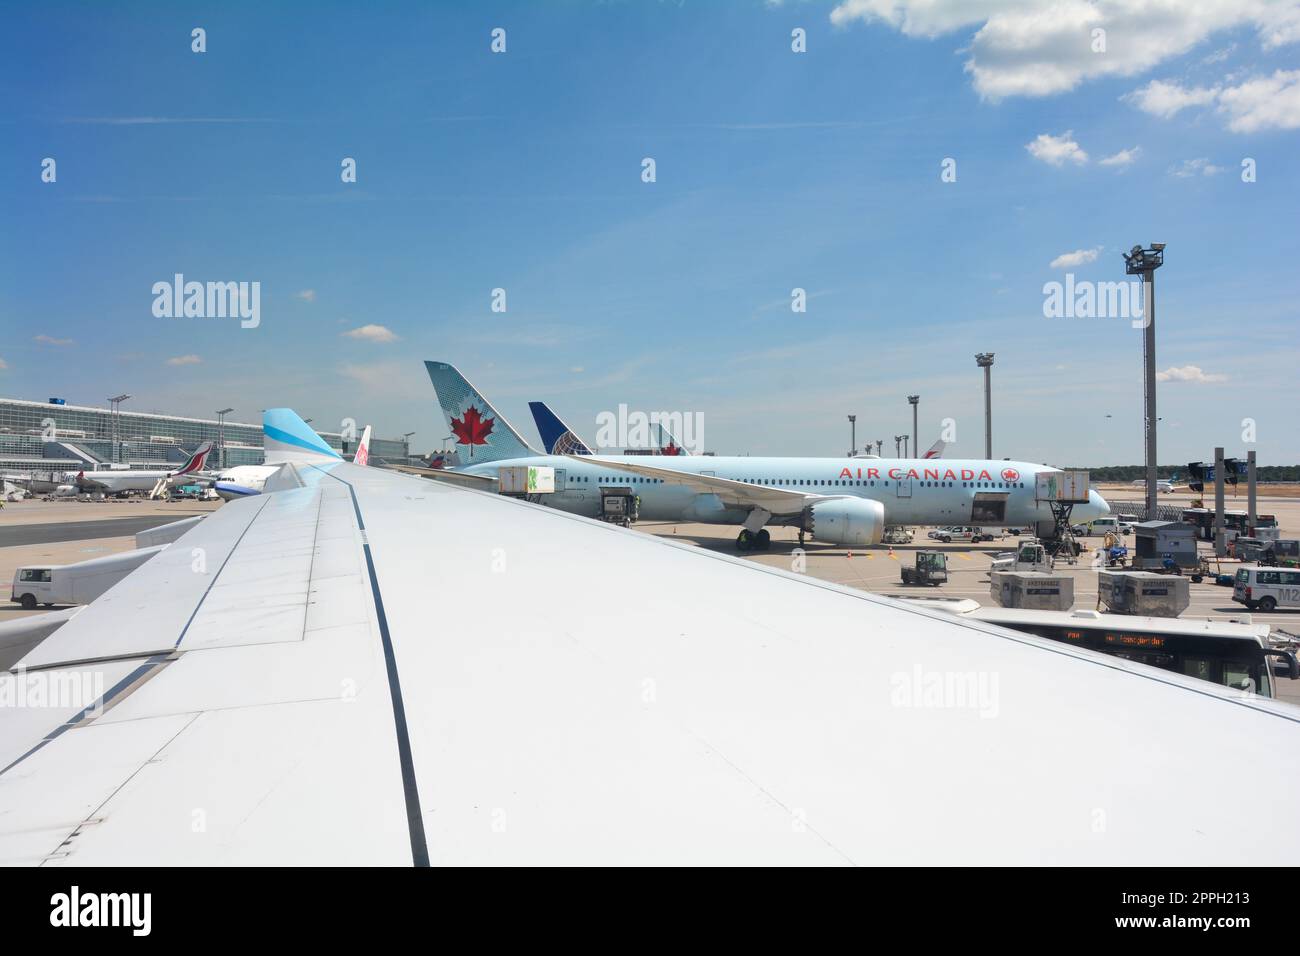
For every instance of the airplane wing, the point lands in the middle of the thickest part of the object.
(483, 482)
(779, 501)
(366, 668)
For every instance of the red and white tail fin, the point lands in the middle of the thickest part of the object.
(362, 456)
(197, 460)
(936, 450)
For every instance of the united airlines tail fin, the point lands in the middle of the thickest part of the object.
(196, 460)
(286, 437)
(362, 457)
(481, 433)
(557, 437)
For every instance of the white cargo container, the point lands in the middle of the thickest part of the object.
(1062, 486)
(526, 480)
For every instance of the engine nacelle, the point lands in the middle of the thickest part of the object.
(852, 522)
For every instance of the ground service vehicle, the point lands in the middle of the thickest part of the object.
(931, 568)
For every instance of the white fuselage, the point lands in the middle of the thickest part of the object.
(116, 482)
(913, 491)
(243, 480)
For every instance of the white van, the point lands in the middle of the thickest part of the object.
(33, 586)
(1099, 526)
(1267, 588)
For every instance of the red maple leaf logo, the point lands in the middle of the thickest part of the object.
(473, 429)
(671, 449)
(1010, 474)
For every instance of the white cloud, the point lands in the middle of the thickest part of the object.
(1195, 167)
(3, 364)
(1189, 373)
(184, 360)
(1079, 257)
(307, 295)
(1267, 102)
(47, 340)
(1043, 47)
(1124, 157)
(1057, 150)
(372, 333)
(1259, 103)
(1165, 99)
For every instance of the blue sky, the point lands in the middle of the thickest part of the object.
(775, 170)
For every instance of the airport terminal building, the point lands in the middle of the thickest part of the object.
(52, 436)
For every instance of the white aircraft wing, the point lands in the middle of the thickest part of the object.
(368, 668)
(483, 482)
(779, 501)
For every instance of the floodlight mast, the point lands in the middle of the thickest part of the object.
(1144, 263)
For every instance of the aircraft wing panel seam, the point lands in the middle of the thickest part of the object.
(410, 783)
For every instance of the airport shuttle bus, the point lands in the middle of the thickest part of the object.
(1228, 653)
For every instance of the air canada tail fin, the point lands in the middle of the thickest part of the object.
(557, 437)
(481, 433)
(196, 461)
(286, 437)
(936, 450)
(362, 457)
(668, 445)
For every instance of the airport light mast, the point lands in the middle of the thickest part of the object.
(898, 446)
(406, 447)
(853, 435)
(880, 445)
(984, 360)
(914, 400)
(116, 403)
(1144, 263)
(221, 437)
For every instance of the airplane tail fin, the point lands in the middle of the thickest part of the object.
(481, 433)
(362, 457)
(557, 437)
(668, 445)
(197, 460)
(936, 450)
(286, 437)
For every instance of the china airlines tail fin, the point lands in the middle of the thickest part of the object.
(362, 457)
(196, 460)
(557, 437)
(481, 433)
(936, 450)
(286, 437)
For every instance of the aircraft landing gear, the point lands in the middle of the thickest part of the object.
(754, 541)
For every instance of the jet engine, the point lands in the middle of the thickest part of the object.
(852, 522)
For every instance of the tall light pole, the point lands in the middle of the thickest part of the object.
(853, 435)
(984, 360)
(898, 446)
(221, 437)
(116, 403)
(1144, 263)
(914, 400)
(880, 444)
(406, 447)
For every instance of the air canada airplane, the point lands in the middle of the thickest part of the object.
(841, 501)
(308, 692)
(114, 482)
